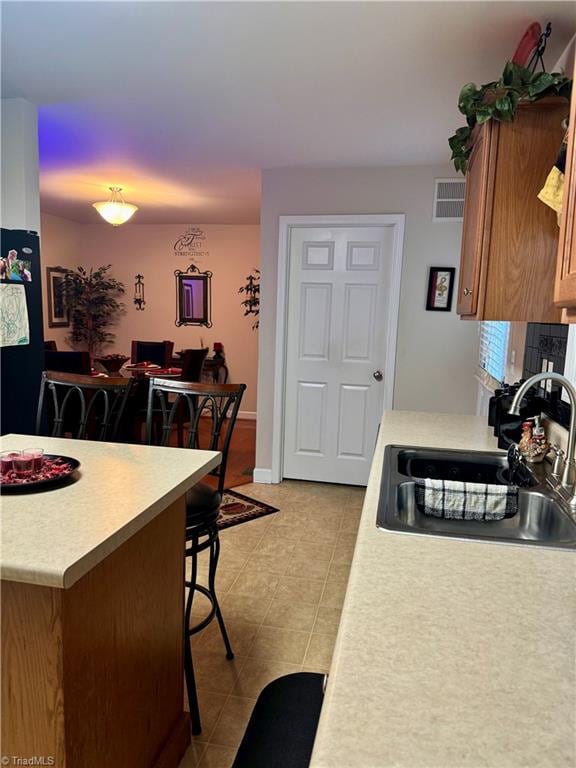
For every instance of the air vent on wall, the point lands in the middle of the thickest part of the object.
(449, 199)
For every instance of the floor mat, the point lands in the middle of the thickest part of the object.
(237, 508)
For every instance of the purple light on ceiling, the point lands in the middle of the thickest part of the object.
(63, 140)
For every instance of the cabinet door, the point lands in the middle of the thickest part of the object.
(565, 289)
(521, 259)
(473, 230)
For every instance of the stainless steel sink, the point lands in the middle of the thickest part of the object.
(465, 466)
(542, 519)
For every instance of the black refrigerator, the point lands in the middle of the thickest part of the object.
(21, 362)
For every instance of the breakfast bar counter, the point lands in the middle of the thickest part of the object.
(92, 607)
(450, 654)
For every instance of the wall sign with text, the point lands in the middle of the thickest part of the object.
(192, 244)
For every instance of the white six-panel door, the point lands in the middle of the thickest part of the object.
(338, 339)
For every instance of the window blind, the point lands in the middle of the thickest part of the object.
(494, 348)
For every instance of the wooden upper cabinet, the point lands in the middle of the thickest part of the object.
(565, 291)
(510, 238)
(474, 218)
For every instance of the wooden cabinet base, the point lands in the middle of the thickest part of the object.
(93, 675)
(176, 744)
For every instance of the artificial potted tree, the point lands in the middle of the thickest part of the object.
(92, 297)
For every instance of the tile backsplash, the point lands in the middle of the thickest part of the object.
(545, 349)
(545, 342)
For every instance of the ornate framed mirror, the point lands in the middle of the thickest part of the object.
(193, 297)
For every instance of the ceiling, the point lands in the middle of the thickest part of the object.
(182, 103)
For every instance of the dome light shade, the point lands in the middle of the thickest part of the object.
(115, 210)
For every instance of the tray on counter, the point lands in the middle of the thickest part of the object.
(41, 484)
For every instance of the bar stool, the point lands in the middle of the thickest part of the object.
(88, 407)
(220, 402)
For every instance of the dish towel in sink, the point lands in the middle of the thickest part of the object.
(466, 501)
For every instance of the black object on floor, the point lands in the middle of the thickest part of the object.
(283, 725)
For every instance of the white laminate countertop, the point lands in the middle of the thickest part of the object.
(55, 537)
(450, 654)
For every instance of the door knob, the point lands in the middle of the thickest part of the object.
(466, 291)
(378, 375)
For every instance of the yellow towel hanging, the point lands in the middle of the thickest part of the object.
(553, 190)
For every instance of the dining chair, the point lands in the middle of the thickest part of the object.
(212, 410)
(89, 407)
(158, 352)
(67, 362)
(193, 363)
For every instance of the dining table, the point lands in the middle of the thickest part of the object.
(92, 624)
(131, 428)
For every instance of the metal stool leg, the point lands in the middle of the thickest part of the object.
(188, 665)
(214, 555)
(213, 543)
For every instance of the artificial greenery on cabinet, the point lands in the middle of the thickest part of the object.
(499, 100)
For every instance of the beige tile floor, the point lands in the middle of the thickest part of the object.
(281, 583)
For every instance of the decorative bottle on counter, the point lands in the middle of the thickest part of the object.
(533, 445)
(539, 446)
(526, 439)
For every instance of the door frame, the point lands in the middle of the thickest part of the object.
(286, 225)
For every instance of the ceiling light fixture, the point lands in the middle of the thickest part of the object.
(115, 210)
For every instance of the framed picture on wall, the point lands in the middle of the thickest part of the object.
(440, 289)
(58, 313)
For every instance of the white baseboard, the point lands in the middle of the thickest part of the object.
(250, 415)
(262, 475)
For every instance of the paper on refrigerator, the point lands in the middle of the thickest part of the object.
(14, 327)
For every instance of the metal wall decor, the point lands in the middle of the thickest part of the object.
(139, 292)
(251, 303)
(193, 297)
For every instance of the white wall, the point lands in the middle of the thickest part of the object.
(20, 200)
(233, 252)
(437, 352)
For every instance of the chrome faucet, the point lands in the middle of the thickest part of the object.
(568, 478)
